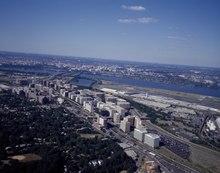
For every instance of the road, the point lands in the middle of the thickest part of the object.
(168, 165)
(150, 125)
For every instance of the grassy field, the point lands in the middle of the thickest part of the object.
(26, 157)
(189, 97)
(201, 158)
(164, 151)
(205, 159)
(201, 162)
(176, 123)
(90, 136)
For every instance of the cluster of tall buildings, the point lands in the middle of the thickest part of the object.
(43, 90)
(130, 121)
(106, 107)
(37, 92)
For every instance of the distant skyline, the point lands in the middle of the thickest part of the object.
(185, 32)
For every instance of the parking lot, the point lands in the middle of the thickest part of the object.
(176, 147)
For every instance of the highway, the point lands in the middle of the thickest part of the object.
(139, 150)
(150, 125)
(167, 164)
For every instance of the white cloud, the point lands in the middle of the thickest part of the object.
(176, 37)
(143, 20)
(147, 20)
(127, 21)
(133, 8)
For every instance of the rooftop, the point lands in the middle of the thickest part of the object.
(152, 135)
(141, 130)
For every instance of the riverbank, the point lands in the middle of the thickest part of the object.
(187, 97)
(155, 85)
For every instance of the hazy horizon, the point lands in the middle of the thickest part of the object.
(107, 59)
(164, 32)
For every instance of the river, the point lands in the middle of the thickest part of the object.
(150, 84)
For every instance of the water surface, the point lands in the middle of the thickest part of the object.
(151, 84)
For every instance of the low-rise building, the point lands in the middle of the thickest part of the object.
(38, 87)
(150, 167)
(123, 104)
(60, 100)
(110, 98)
(211, 125)
(62, 90)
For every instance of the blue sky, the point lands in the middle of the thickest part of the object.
(160, 31)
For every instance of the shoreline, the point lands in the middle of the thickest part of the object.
(203, 100)
(155, 85)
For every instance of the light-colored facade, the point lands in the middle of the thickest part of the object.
(100, 105)
(130, 119)
(65, 94)
(152, 140)
(88, 106)
(102, 121)
(62, 90)
(60, 100)
(116, 118)
(120, 110)
(46, 89)
(124, 104)
(72, 96)
(137, 122)
(125, 126)
(111, 111)
(38, 87)
(139, 134)
(218, 122)
(77, 98)
(82, 99)
(110, 98)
